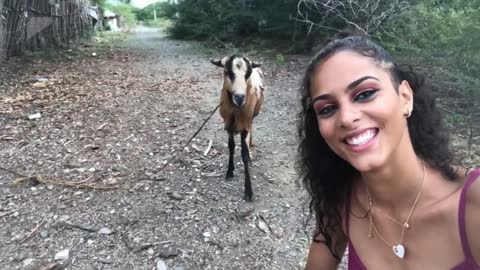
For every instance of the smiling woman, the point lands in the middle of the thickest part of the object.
(375, 158)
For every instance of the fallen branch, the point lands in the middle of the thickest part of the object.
(205, 153)
(11, 171)
(32, 232)
(66, 224)
(149, 245)
(4, 214)
(80, 184)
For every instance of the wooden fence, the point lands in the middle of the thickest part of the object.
(36, 24)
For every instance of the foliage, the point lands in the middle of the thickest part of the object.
(365, 16)
(100, 3)
(237, 21)
(448, 30)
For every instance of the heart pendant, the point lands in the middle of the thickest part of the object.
(399, 250)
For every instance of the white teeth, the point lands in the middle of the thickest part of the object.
(362, 138)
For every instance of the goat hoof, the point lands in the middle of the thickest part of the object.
(229, 174)
(248, 197)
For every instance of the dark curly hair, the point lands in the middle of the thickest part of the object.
(326, 176)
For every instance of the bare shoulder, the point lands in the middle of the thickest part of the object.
(472, 212)
(320, 256)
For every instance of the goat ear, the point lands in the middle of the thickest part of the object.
(256, 64)
(216, 62)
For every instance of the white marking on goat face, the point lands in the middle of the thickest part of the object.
(237, 72)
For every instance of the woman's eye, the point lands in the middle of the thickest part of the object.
(366, 95)
(326, 111)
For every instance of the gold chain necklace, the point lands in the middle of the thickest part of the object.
(398, 249)
(406, 225)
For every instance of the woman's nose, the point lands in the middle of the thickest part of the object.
(348, 117)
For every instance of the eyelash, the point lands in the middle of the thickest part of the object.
(369, 94)
(365, 95)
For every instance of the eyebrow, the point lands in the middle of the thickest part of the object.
(349, 88)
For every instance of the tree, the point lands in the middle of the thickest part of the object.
(366, 16)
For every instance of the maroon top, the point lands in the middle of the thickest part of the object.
(354, 262)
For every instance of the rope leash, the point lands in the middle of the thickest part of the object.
(175, 152)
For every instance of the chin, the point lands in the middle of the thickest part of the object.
(365, 165)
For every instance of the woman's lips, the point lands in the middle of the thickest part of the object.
(362, 141)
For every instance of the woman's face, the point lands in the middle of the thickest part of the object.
(360, 113)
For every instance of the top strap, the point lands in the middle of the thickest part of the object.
(472, 176)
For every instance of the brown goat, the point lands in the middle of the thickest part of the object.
(240, 102)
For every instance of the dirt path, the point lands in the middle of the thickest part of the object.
(112, 121)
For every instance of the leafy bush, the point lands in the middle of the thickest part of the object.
(236, 21)
(449, 31)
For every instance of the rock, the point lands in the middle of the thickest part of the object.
(197, 162)
(28, 261)
(22, 256)
(167, 254)
(34, 116)
(105, 231)
(262, 225)
(62, 255)
(196, 148)
(207, 237)
(51, 266)
(213, 174)
(137, 239)
(40, 85)
(176, 196)
(42, 80)
(111, 181)
(161, 265)
(44, 233)
(244, 212)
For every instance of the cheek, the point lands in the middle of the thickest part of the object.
(326, 129)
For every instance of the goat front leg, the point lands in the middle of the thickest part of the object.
(250, 139)
(246, 161)
(231, 149)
